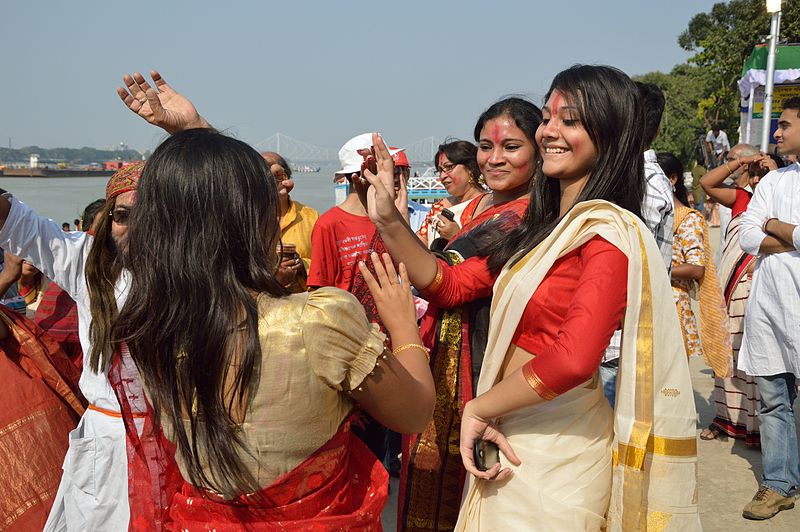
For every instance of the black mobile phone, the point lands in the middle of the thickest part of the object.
(486, 454)
(447, 213)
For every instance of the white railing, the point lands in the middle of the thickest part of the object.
(424, 183)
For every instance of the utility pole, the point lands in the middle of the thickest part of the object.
(774, 9)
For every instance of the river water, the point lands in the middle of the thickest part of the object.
(64, 198)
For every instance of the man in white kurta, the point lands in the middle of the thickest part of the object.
(771, 344)
(93, 494)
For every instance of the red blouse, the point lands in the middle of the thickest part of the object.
(569, 321)
(742, 201)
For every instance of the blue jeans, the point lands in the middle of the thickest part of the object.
(608, 376)
(779, 451)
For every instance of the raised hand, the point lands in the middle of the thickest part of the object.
(162, 106)
(391, 292)
(11, 273)
(377, 177)
(401, 196)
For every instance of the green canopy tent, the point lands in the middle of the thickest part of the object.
(753, 82)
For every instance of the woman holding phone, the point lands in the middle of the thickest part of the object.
(459, 173)
(296, 222)
(577, 267)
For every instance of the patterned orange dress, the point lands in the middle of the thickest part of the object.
(688, 248)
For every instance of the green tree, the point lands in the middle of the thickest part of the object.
(681, 125)
(722, 40)
(705, 90)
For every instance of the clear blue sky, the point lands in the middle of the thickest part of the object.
(318, 71)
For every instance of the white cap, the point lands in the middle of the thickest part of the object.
(349, 157)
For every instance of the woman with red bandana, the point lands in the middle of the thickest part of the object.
(93, 489)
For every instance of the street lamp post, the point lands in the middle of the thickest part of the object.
(774, 8)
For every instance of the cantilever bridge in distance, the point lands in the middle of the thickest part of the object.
(419, 152)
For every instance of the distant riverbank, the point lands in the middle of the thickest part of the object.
(63, 199)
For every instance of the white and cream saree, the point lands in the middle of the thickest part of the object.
(584, 467)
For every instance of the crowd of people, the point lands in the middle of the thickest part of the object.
(516, 353)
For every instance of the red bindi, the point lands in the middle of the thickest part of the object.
(497, 133)
(556, 103)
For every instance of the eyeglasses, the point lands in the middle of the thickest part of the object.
(120, 216)
(446, 168)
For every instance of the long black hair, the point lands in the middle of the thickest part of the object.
(202, 246)
(673, 167)
(609, 107)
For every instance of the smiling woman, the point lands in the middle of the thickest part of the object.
(506, 157)
(573, 272)
(455, 324)
(461, 177)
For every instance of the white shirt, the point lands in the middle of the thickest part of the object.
(93, 494)
(416, 214)
(771, 342)
(720, 142)
(658, 208)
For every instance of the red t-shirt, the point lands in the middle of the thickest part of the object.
(339, 240)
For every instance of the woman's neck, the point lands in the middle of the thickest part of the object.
(570, 189)
(504, 196)
(470, 194)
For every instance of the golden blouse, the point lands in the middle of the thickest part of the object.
(314, 348)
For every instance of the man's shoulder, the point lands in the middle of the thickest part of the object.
(784, 180)
(330, 216)
(775, 176)
(656, 178)
(306, 211)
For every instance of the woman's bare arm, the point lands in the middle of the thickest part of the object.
(400, 392)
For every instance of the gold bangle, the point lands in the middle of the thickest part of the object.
(437, 280)
(730, 172)
(409, 346)
(536, 384)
